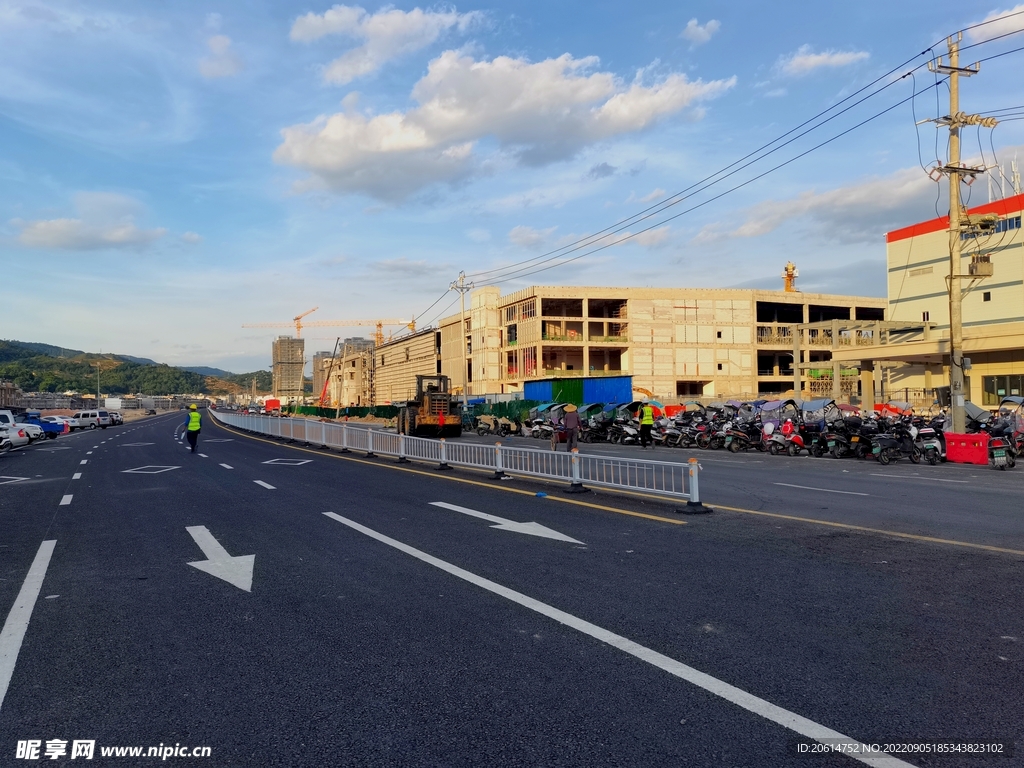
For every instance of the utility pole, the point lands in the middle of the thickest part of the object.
(956, 120)
(460, 286)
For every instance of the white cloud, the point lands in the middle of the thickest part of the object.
(652, 237)
(1002, 23)
(775, 93)
(478, 235)
(403, 267)
(105, 220)
(528, 237)
(192, 238)
(222, 61)
(699, 35)
(860, 213)
(805, 60)
(539, 113)
(386, 35)
(657, 194)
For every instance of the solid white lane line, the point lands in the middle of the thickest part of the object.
(227, 466)
(65, 500)
(84, 461)
(730, 693)
(825, 490)
(76, 476)
(268, 486)
(927, 479)
(13, 632)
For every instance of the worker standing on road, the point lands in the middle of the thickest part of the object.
(646, 416)
(193, 423)
(571, 422)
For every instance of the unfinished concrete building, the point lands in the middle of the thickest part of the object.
(289, 363)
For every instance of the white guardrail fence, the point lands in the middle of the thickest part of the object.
(664, 478)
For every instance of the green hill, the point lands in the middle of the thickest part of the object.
(33, 371)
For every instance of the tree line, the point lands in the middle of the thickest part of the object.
(34, 372)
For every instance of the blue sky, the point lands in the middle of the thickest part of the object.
(169, 171)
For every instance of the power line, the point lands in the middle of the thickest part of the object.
(651, 211)
(503, 272)
(672, 199)
(519, 274)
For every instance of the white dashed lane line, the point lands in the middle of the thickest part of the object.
(66, 500)
(76, 476)
(227, 466)
(268, 486)
(84, 461)
(204, 455)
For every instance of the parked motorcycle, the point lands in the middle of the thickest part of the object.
(1002, 450)
(889, 447)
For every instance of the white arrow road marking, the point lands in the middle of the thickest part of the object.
(17, 620)
(712, 685)
(234, 570)
(149, 469)
(289, 462)
(533, 529)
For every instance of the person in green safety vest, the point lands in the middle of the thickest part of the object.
(193, 423)
(646, 417)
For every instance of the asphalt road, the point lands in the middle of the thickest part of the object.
(393, 631)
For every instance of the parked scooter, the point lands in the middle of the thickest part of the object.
(1002, 451)
(891, 446)
(487, 425)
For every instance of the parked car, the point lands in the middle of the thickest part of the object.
(116, 418)
(15, 435)
(71, 422)
(93, 419)
(5, 442)
(31, 431)
(64, 422)
(34, 419)
(150, 412)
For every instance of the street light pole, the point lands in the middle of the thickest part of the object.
(460, 286)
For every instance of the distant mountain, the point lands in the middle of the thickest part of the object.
(64, 352)
(46, 349)
(220, 373)
(141, 360)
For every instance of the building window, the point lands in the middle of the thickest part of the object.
(719, 336)
(924, 317)
(995, 388)
(986, 296)
(719, 366)
(922, 271)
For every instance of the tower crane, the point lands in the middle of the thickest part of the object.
(299, 325)
(297, 320)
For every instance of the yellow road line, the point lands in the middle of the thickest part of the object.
(464, 480)
(881, 531)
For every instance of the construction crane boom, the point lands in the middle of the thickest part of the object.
(299, 325)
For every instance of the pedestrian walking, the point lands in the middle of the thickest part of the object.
(571, 422)
(646, 417)
(193, 424)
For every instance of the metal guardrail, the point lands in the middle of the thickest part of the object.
(663, 478)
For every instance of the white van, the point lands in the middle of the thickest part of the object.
(93, 419)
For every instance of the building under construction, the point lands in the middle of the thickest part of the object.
(289, 363)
